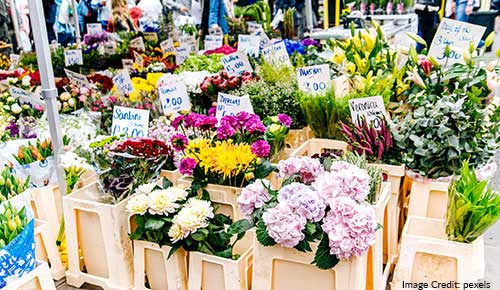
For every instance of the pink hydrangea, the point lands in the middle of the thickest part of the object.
(308, 168)
(284, 226)
(254, 196)
(344, 179)
(350, 227)
(302, 200)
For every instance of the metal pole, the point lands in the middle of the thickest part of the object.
(77, 23)
(49, 91)
(309, 15)
(13, 13)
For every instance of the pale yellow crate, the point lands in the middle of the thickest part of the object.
(151, 263)
(207, 272)
(46, 249)
(279, 268)
(171, 175)
(47, 206)
(318, 146)
(100, 231)
(38, 279)
(223, 197)
(88, 177)
(297, 137)
(428, 199)
(426, 255)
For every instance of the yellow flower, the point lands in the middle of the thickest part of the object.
(153, 78)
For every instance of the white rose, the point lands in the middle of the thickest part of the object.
(146, 188)
(161, 202)
(10, 99)
(179, 193)
(176, 233)
(65, 96)
(15, 108)
(26, 81)
(138, 204)
(71, 102)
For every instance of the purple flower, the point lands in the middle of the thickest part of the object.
(284, 226)
(13, 129)
(285, 120)
(254, 124)
(177, 121)
(179, 141)
(225, 131)
(212, 111)
(261, 148)
(311, 42)
(187, 166)
(303, 201)
(254, 196)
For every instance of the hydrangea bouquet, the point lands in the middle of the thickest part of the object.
(314, 204)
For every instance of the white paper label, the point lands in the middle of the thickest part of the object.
(137, 43)
(25, 96)
(277, 55)
(94, 28)
(372, 109)
(151, 36)
(249, 44)
(229, 105)
(264, 39)
(14, 61)
(73, 57)
(213, 41)
(189, 41)
(128, 64)
(123, 83)
(129, 121)
(236, 64)
(139, 60)
(457, 35)
(110, 48)
(76, 78)
(313, 79)
(174, 98)
(181, 53)
(167, 46)
(252, 27)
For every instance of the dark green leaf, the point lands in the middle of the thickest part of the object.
(323, 259)
(154, 224)
(262, 235)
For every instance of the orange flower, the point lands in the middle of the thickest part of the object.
(20, 154)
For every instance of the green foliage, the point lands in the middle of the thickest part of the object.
(276, 74)
(211, 63)
(11, 185)
(473, 207)
(12, 223)
(322, 258)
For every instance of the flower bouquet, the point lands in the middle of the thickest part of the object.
(277, 130)
(11, 184)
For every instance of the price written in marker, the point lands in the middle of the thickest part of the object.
(313, 79)
(129, 121)
(213, 41)
(174, 98)
(229, 105)
(372, 109)
(123, 83)
(137, 43)
(76, 78)
(249, 44)
(139, 60)
(277, 55)
(167, 46)
(151, 36)
(94, 28)
(252, 27)
(236, 64)
(181, 53)
(73, 57)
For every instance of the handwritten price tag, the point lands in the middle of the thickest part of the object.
(313, 79)
(174, 98)
(94, 28)
(229, 105)
(139, 60)
(73, 57)
(264, 39)
(76, 78)
(167, 46)
(213, 41)
(14, 61)
(137, 43)
(457, 35)
(236, 64)
(249, 44)
(151, 36)
(128, 64)
(129, 121)
(123, 83)
(25, 96)
(277, 55)
(371, 108)
(181, 53)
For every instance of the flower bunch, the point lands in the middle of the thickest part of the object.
(225, 49)
(162, 129)
(102, 82)
(12, 223)
(11, 185)
(18, 108)
(74, 167)
(6, 123)
(277, 130)
(223, 83)
(30, 153)
(91, 39)
(314, 203)
(70, 101)
(4, 63)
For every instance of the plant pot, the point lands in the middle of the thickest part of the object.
(39, 279)
(151, 264)
(209, 272)
(394, 176)
(46, 249)
(428, 199)
(296, 137)
(426, 255)
(318, 146)
(100, 231)
(377, 274)
(280, 268)
(171, 175)
(222, 196)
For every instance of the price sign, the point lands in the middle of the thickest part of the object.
(174, 98)
(264, 39)
(313, 79)
(137, 43)
(168, 80)
(73, 57)
(213, 41)
(236, 64)
(128, 64)
(76, 78)
(457, 35)
(25, 96)
(372, 109)
(94, 28)
(123, 83)
(277, 55)
(181, 53)
(129, 121)
(110, 48)
(167, 46)
(139, 60)
(249, 44)
(229, 105)
(151, 36)
(14, 61)
(252, 27)
(189, 41)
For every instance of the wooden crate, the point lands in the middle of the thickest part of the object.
(426, 255)
(318, 146)
(280, 268)
(47, 206)
(223, 197)
(297, 137)
(46, 249)
(151, 265)
(88, 177)
(100, 231)
(207, 272)
(38, 279)
(428, 199)
(171, 175)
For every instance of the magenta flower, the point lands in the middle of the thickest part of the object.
(179, 141)
(212, 111)
(284, 226)
(177, 121)
(225, 131)
(254, 124)
(261, 148)
(187, 166)
(254, 196)
(285, 120)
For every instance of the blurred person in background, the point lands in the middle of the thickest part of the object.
(4, 23)
(103, 8)
(428, 19)
(50, 12)
(64, 24)
(120, 17)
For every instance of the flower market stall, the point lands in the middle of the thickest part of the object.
(162, 160)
